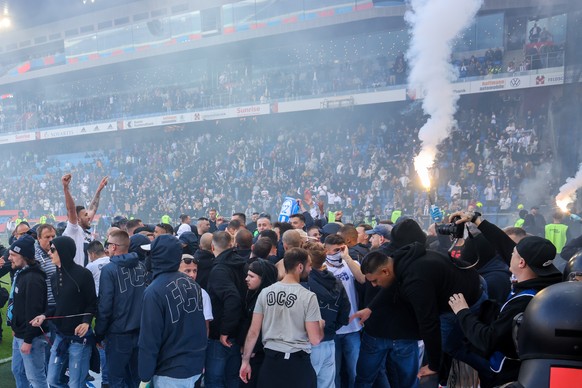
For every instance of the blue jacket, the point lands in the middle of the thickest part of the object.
(334, 304)
(121, 289)
(497, 276)
(172, 339)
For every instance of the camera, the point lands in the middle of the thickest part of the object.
(452, 229)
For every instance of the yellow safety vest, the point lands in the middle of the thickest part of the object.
(519, 223)
(330, 217)
(556, 233)
(395, 216)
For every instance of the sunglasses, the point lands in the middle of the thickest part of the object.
(53, 249)
(112, 243)
(189, 261)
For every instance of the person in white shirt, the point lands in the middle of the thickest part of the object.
(456, 190)
(347, 339)
(97, 260)
(79, 218)
(189, 266)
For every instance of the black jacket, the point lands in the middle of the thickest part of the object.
(268, 277)
(227, 290)
(502, 242)
(205, 262)
(426, 280)
(571, 248)
(489, 264)
(497, 335)
(358, 251)
(30, 300)
(393, 318)
(73, 288)
(334, 304)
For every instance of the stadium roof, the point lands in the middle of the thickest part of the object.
(29, 13)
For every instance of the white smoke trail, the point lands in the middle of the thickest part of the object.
(434, 26)
(567, 194)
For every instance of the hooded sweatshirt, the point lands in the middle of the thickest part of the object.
(227, 290)
(334, 303)
(135, 243)
(268, 273)
(121, 289)
(489, 265)
(406, 231)
(172, 340)
(30, 300)
(73, 289)
(393, 318)
(426, 280)
(205, 263)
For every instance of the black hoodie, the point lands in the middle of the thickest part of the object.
(406, 232)
(227, 290)
(426, 280)
(172, 338)
(393, 318)
(268, 273)
(478, 250)
(30, 301)
(205, 263)
(334, 304)
(73, 288)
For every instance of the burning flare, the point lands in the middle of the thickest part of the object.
(567, 193)
(422, 163)
(434, 26)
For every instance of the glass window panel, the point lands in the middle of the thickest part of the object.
(153, 31)
(85, 45)
(489, 31)
(185, 24)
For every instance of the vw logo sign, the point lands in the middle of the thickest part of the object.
(515, 82)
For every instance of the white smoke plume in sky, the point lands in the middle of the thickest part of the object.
(434, 26)
(567, 192)
(535, 190)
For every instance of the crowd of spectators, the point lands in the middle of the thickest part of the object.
(191, 85)
(361, 166)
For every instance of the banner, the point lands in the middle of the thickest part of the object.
(288, 208)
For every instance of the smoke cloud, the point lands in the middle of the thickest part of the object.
(535, 190)
(567, 192)
(434, 26)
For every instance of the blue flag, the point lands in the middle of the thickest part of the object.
(288, 207)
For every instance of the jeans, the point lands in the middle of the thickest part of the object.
(222, 365)
(30, 366)
(103, 363)
(165, 381)
(121, 352)
(17, 365)
(388, 362)
(76, 359)
(323, 361)
(347, 349)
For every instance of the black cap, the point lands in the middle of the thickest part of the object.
(539, 254)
